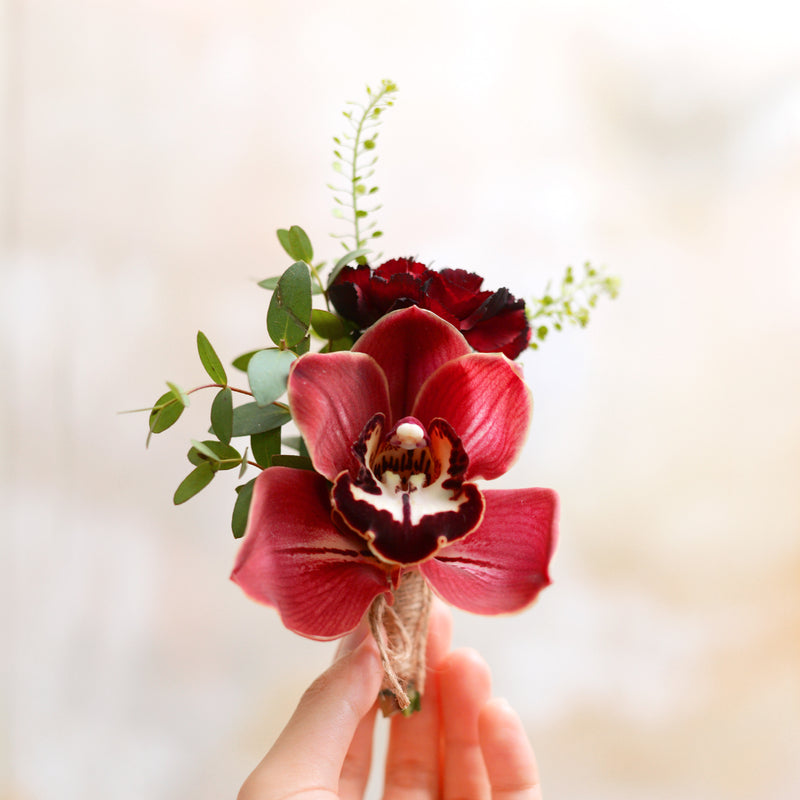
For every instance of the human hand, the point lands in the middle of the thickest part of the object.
(462, 744)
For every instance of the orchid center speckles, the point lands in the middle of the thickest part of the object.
(409, 499)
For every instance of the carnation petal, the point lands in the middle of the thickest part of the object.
(503, 565)
(507, 332)
(331, 395)
(293, 557)
(410, 345)
(483, 397)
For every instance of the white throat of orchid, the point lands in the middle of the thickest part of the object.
(409, 499)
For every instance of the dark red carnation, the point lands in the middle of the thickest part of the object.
(492, 322)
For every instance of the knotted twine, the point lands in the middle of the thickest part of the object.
(401, 632)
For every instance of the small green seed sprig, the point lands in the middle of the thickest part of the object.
(355, 160)
(573, 303)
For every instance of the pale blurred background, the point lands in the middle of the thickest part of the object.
(149, 151)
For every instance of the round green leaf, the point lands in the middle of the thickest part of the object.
(301, 244)
(296, 243)
(210, 360)
(251, 418)
(221, 455)
(243, 360)
(301, 348)
(297, 462)
(166, 411)
(241, 508)
(283, 238)
(335, 345)
(265, 446)
(179, 394)
(268, 283)
(222, 415)
(327, 325)
(267, 372)
(289, 314)
(194, 482)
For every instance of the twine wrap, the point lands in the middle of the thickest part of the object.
(401, 631)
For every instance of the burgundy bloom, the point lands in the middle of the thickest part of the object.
(492, 322)
(398, 429)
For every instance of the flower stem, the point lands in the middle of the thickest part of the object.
(401, 632)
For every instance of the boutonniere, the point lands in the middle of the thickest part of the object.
(406, 401)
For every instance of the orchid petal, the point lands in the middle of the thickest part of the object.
(294, 558)
(502, 565)
(331, 395)
(410, 345)
(483, 396)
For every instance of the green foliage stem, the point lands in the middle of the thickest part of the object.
(352, 148)
(572, 304)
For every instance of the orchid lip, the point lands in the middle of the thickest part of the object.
(409, 499)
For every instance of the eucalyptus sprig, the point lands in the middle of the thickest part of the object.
(355, 161)
(290, 322)
(572, 304)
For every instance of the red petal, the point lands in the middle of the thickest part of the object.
(502, 565)
(402, 287)
(483, 396)
(350, 295)
(508, 332)
(294, 559)
(398, 266)
(458, 291)
(410, 344)
(332, 395)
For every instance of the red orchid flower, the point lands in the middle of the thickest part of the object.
(398, 429)
(492, 322)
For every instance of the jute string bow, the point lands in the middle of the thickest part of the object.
(401, 631)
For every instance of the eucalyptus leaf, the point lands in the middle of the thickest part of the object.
(335, 345)
(301, 348)
(166, 411)
(293, 442)
(296, 243)
(222, 415)
(283, 238)
(328, 325)
(265, 446)
(270, 283)
(352, 255)
(210, 360)
(201, 449)
(241, 508)
(251, 418)
(179, 394)
(194, 482)
(297, 462)
(301, 244)
(268, 372)
(221, 455)
(241, 362)
(289, 314)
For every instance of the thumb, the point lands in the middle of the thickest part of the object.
(311, 749)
